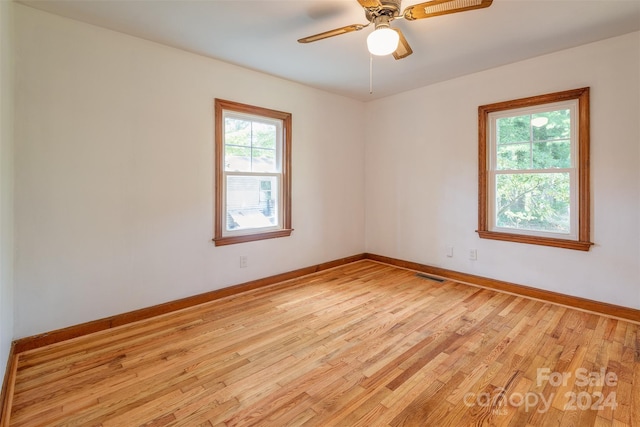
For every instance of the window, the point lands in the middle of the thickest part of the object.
(534, 170)
(253, 173)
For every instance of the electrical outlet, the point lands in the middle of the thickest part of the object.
(243, 261)
(450, 251)
(473, 254)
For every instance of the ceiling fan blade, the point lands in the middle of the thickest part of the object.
(442, 7)
(370, 3)
(331, 33)
(403, 49)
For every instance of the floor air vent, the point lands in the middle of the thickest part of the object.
(426, 276)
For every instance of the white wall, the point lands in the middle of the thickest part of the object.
(421, 173)
(114, 174)
(6, 182)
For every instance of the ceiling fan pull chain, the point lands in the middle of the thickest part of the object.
(370, 74)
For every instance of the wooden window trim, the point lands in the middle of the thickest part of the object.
(583, 242)
(220, 105)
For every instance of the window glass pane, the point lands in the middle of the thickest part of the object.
(237, 132)
(263, 160)
(264, 135)
(513, 129)
(536, 202)
(237, 159)
(551, 125)
(514, 156)
(548, 155)
(252, 202)
(250, 146)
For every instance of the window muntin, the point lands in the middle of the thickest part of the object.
(252, 173)
(534, 170)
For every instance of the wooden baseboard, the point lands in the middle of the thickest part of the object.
(579, 303)
(6, 395)
(37, 341)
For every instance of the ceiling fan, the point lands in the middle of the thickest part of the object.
(384, 39)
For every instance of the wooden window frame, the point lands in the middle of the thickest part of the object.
(221, 105)
(582, 242)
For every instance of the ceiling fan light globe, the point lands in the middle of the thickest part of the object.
(383, 41)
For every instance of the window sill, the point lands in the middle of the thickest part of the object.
(230, 240)
(535, 240)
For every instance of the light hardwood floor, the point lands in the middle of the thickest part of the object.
(365, 344)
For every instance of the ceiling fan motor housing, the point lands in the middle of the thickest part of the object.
(388, 8)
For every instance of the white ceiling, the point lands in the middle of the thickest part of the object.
(262, 34)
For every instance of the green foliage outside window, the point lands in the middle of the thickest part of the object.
(532, 185)
(252, 141)
(537, 202)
